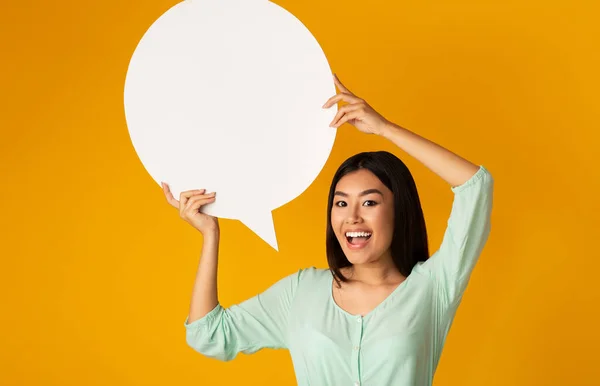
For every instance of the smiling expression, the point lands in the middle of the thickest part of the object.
(362, 217)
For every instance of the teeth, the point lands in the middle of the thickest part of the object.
(358, 234)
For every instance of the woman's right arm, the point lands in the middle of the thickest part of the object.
(256, 323)
(219, 332)
(204, 295)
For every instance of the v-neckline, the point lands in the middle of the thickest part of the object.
(365, 316)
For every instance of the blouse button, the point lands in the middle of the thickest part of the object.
(358, 319)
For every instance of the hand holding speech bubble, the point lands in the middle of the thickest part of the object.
(226, 95)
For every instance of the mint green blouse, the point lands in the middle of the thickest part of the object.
(398, 343)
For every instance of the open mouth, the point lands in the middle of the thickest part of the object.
(358, 239)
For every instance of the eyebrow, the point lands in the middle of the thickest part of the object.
(363, 193)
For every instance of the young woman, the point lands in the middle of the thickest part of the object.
(381, 313)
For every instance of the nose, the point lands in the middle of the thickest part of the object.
(353, 216)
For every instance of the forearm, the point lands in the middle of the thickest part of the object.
(452, 168)
(204, 295)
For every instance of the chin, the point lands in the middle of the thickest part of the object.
(359, 256)
(364, 254)
(358, 259)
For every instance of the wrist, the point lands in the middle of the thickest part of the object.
(211, 232)
(387, 129)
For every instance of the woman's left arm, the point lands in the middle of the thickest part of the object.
(449, 166)
(452, 168)
(469, 224)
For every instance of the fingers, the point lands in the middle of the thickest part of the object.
(350, 98)
(340, 85)
(348, 116)
(185, 196)
(344, 94)
(169, 196)
(199, 197)
(195, 202)
(344, 110)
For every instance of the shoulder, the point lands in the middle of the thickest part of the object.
(309, 277)
(309, 284)
(312, 274)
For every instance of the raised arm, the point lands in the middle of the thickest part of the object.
(189, 205)
(218, 332)
(257, 323)
(204, 294)
(450, 167)
(469, 223)
(467, 232)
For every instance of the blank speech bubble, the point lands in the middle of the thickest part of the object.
(226, 95)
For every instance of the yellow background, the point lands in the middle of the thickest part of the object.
(97, 269)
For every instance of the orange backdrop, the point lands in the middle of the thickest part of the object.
(97, 269)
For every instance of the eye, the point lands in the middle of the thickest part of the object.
(340, 203)
(370, 203)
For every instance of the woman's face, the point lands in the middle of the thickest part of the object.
(362, 217)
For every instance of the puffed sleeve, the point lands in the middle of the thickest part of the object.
(466, 234)
(257, 323)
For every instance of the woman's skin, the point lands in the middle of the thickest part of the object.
(373, 275)
(362, 202)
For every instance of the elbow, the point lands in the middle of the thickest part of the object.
(202, 343)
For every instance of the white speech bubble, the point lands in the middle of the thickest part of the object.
(226, 95)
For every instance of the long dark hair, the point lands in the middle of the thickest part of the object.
(409, 240)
